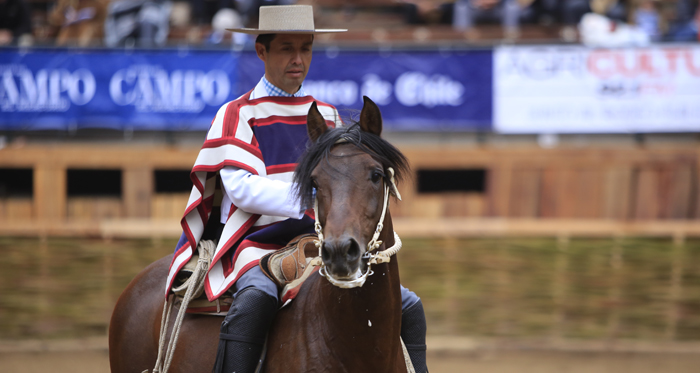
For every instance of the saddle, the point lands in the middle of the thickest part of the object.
(291, 265)
(287, 267)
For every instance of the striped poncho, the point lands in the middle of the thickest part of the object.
(264, 136)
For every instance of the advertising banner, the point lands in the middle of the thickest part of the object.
(61, 90)
(559, 89)
(182, 90)
(416, 91)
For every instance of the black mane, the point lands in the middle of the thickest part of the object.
(381, 150)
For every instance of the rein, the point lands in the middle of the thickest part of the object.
(378, 258)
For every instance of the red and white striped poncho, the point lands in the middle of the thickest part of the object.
(264, 136)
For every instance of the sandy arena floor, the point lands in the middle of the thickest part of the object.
(482, 362)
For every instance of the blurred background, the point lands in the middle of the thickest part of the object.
(550, 223)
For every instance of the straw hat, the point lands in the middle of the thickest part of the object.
(286, 19)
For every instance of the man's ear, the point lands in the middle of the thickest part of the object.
(370, 117)
(261, 51)
(315, 124)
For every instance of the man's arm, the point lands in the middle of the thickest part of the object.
(260, 195)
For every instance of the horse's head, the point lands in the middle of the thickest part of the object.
(346, 172)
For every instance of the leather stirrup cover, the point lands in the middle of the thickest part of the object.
(288, 263)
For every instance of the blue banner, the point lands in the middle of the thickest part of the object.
(416, 91)
(159, 90)
(182, 90)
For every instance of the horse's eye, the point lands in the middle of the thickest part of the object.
(376, 176)
(314, 184)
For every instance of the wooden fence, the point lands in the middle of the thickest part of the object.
(587, 183)
(599, 184)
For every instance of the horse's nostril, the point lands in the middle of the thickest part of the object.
(353, 251)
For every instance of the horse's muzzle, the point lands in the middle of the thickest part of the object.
(342, 257)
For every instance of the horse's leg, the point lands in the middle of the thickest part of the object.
(134, 327)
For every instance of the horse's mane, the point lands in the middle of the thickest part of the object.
(381, 150)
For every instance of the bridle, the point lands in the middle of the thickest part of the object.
(372, 258)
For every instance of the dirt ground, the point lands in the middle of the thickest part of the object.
(562, 362)
(446, 362)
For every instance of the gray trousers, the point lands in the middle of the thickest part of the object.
(255, 278)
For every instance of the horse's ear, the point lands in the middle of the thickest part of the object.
(315, 124)
(370, 117)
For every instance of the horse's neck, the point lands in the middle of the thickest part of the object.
(368, 318)
(343, 330)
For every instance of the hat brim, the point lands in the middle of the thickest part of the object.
(254, 31)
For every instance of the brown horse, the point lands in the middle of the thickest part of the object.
(326, 328)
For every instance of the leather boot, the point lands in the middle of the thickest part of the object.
(413, 329)
(244, 330)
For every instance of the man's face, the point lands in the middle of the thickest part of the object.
(287, 61)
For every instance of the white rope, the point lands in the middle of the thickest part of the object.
(165, 318)
(317, 227)
(385, 256)
(374, 243)
(407, 358)
(196, 285)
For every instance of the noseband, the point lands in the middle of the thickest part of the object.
(373, 244)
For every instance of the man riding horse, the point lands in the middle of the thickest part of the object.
(249, 154)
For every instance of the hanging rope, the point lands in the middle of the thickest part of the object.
(194, 286)
(407, 358)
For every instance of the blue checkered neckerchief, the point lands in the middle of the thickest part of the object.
(274, 91)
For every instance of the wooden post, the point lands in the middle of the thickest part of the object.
(548, 199)
(560, 285)
(617, 192)
(44, 276)
(504, 326)
(615, 292)
(499, 178)
(525, 193)
(679, 192)
(676, 286)
(137, 192)
(451, 286)
(108, 274)
(646, 204)
(50, 191)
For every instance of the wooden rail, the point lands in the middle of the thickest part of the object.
(412, 227)
(619, 184)
(406, 227)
